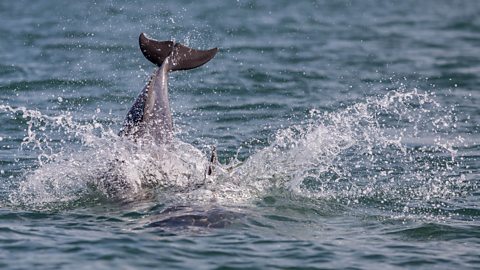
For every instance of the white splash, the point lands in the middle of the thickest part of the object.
(392, 148)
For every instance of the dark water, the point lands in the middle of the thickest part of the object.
(348, 133)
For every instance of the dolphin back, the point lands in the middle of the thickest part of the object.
(182, 57)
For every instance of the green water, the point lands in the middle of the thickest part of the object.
(347, 131)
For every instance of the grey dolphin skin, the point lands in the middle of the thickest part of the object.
(150, 114)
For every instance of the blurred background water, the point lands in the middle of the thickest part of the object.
(348, 133)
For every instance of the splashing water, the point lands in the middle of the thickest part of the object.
(94, 160)
(393, 150)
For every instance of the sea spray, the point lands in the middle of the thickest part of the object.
(92, 159)
(394, 150)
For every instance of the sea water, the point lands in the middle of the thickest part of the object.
(347, 135)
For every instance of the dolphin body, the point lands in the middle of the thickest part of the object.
(150, 118)
(150, 115)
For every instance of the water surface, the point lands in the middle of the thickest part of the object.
(347, 131)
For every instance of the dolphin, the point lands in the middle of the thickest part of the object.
(150, 114)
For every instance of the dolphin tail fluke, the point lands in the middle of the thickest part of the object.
(182, 57)
(155, 51)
